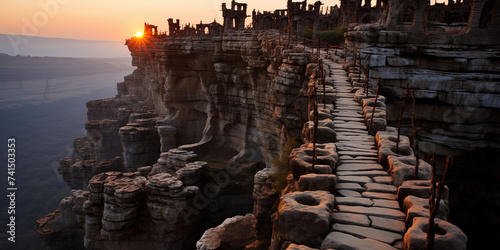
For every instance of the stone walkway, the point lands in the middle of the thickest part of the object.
(368, 214)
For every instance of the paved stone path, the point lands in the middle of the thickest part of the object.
(369, 214)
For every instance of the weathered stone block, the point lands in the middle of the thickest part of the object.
(304, 217)
(315, 182)
(419, 188)
(402, 168)
(448, 236)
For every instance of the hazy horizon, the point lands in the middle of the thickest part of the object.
(61, 47)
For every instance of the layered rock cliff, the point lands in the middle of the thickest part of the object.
(454, 79)
(176, 150)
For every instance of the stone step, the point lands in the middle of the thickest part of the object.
(368, 232)
(381, 188)
(395, 226)
(379, 195)
(351, 219)
(385, 203)
(356, 154)
(350, 157)
(356, 179)
(351, 186)
(359, 167)
(383, 179)
(339, 240)
(354, 201)
(376, 211)
(348, 193)
(370, 173)
(359, 161)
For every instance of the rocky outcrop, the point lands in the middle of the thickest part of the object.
(302, 215)
(233, 233)
(226, 99)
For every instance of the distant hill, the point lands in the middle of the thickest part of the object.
(61, 47)
(19, 68)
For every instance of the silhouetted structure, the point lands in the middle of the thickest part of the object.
(234, 18)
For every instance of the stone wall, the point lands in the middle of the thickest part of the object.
(454, 77)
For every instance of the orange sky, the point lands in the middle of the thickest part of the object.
(113, 20)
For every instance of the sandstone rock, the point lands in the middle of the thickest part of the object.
(83, 149)
(448, 236)
(233, 233)
(374, 211)
(419, 188)
(351, 219)
(301, 160)
(402, 168)
(309, 209)
(325, 134)
(191, 174)
(168, 138)
(367, 232)
(315, 182)
(338, 240)
(103, 135)
(264, 197)
(141, 146)
(386, 144)
(419, 207)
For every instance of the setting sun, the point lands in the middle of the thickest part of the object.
(138, 34)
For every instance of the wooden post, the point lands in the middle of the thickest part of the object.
(434, 201)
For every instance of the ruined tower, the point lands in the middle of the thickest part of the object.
(234, 18)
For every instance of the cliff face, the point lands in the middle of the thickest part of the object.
(220, 92)
(454, 78)
(231, 101)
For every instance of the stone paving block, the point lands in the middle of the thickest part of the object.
(448, 236)
(376, 211)
(353, 201)
(419, 207)
(313, 182)
(351, 219)
(359, 161)
(368, 232)
(356, 153)
(348, 193)
(382, 179)
(379, 195)
(419, 188)
(385, 203)
(395, 226)
(370, 173)
(338, 240)
(351, 186)
(381, 188)
(359, 167)
(356, 179)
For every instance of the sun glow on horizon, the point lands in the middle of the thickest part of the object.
(138, 34)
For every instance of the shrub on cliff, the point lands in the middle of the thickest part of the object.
(333, 37)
